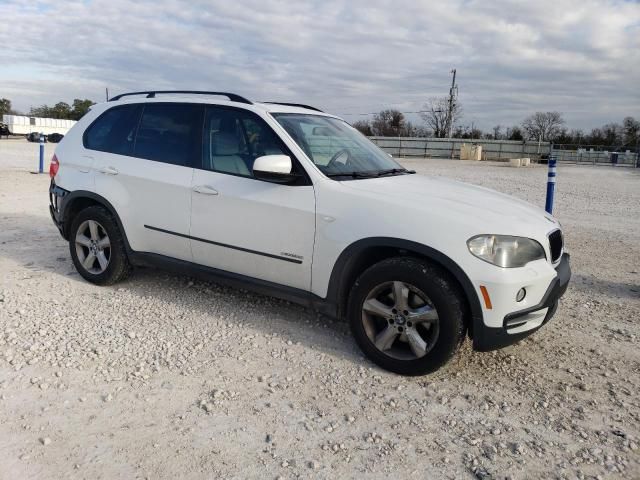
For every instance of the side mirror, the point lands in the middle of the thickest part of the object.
(274, 168)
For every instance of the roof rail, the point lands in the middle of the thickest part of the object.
(296, 105)
(152, 93)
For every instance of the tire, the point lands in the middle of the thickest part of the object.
(434, 302)
(117, 267)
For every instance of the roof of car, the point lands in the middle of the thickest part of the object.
(215, 98)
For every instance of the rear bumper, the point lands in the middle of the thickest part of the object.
(488, 338)
(56, 199)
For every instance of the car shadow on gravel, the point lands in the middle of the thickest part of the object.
(591, 284)
(205, 299)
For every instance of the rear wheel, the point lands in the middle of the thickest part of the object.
(406, 315)
(97, 247)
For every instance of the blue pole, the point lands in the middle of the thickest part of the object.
(41, 169)
(551, 183)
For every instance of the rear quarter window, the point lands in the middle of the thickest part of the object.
(114, 131)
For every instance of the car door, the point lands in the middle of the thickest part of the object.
(146, 170)
(243, 225)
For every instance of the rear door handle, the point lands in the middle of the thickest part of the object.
(109, 170)
(205, 190)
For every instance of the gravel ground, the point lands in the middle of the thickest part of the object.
(163, 376)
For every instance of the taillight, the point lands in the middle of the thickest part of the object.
(53, 166)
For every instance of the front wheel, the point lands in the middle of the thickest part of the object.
(407, 315)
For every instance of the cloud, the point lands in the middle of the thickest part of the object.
(581, 57)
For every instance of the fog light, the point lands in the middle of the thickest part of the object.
(521, 294)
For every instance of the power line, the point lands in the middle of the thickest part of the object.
(376, 113)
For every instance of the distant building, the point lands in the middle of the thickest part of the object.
(21, 125)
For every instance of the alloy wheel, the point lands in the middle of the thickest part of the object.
(93, 247)
(400, 320)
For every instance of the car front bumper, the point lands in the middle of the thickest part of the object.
(522, 323)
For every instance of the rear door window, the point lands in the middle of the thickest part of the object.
(170, 133)
(114, 131)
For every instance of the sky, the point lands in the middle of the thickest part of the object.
(579, 57)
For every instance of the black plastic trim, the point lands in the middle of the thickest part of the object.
(301, 105)
(301, 297)
(337, 289)
(56, 196)
(78, 194)
(152, 93)
(225, 245)
(490, 338)
(556, 289)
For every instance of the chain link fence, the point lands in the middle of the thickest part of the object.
(450, 147)
(506, 149)
(596, 155)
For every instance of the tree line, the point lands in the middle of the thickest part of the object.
(540, 126)
(437, 119)
(60, 110)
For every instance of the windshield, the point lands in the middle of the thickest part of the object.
(336, 148)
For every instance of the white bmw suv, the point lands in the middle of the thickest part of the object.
(292, 202)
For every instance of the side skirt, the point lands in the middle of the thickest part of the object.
(263, 287)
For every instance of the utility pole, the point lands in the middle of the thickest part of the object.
(453, 93)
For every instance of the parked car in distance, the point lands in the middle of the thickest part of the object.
(292, 202)
(35, 137)
(55, 137)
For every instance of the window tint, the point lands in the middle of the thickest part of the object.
(170, 133)
(114, 130)
(233, 139)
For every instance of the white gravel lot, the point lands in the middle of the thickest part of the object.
(163, 376)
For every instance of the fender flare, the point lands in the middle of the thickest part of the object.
(350, 255)
(79, 194)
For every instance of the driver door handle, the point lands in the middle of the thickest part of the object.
(205, 190)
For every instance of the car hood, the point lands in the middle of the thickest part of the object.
(483, 210)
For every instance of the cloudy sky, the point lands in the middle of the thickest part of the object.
(581, 57)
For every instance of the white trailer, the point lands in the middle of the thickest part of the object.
(21, 125)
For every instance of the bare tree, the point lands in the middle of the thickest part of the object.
(436, 115)
(631, 128)
(496, 132)
(389, 123)
(364, 127)
(543, 126)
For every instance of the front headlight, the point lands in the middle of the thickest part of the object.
(504, 250)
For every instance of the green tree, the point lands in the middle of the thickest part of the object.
(60, 110)
(5, 107)
(43, 111)
(514, 133)
(80, 108)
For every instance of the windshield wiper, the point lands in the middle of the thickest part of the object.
(353, 174)
(393, 171)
